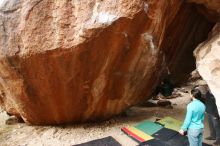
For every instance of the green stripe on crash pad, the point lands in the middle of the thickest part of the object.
(171, 123)
(148, 127)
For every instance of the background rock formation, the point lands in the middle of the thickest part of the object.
(209, 8)
(208, 61)
(74, 61)
(208, 53)
(181, 38)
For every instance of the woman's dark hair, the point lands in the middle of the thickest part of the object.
(197, 94)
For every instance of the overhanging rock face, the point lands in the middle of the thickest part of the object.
(78, 60)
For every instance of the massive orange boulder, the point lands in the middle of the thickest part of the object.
(74, 61)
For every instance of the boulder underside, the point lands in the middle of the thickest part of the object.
(77, 61)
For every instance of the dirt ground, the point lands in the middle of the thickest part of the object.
(20, 134)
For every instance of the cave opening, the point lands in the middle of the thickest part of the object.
(185, 33)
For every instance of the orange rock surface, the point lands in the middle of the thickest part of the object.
(75, 61)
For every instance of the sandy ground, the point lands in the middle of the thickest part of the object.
(20, 134)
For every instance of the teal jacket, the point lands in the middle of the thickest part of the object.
(194, 116)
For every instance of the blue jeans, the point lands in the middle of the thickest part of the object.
(195, 137)
(214, 126)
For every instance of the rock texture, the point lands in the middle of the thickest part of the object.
(78, 60)
(209, 8)
(181, 38)
(208, 62)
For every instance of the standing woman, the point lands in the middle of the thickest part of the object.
(193, 122)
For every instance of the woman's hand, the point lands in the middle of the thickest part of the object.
(181, 132)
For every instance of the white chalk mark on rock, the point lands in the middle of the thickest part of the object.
(149, 42)
(146, 7)
(2, 3)
(104, 17)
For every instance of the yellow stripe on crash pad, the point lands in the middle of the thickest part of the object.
(139, 133)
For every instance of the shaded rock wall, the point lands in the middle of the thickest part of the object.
(74, 61)
(209, 8)
(181, 38)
